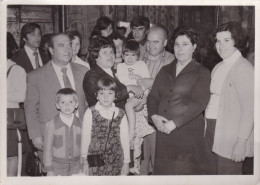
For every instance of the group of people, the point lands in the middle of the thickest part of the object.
(132, 107)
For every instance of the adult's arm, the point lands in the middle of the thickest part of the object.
(48, 145)
(31, 106)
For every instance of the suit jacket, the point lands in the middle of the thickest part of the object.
(181, 99)
(42, 86)
(22, 59)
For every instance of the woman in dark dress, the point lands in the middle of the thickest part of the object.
(101, 59)
(177, 99)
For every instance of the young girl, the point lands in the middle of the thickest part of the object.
(128, 73)
(105, 140)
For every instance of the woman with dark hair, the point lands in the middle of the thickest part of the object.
(178, 97)
(118, 41)
(76, 41)
(104, 27)
(102, 58)
(16, 87)
(230, 112)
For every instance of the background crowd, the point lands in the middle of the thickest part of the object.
(141, 103)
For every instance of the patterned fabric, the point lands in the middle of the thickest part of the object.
(113, 157)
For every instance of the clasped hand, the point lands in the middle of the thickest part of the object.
(162, 124)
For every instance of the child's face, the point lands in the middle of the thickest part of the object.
(67, 104)
(130, 57)
(106, 97)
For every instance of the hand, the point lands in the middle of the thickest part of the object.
(170, 126)
(239, 150)
(38, 143)
(50, 173)
(134, 76)
(159, 122)
(139, 107)
(125, 169)
(145, 82)
(137, 90)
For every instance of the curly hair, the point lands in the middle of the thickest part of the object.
(95, 45)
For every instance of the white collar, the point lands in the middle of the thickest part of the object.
(29, 50)
(232, 58)
(58, 67)
(108, 71)
(67, 121)
(99, 107)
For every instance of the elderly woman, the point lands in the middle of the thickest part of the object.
(230, 112)
(102, 59)
(178, 97)
(76, 40)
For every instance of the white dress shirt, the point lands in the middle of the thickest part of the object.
(59, 74)
(107, 114)
(30, 52)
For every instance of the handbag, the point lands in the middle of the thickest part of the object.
(97, 160)
(15, 116)
(33, 164)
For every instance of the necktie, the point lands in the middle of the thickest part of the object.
(66, 80)
(37, 64)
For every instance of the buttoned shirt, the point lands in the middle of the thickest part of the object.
(30, 52)
(59, 74)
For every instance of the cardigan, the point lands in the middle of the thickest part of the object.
(235, 118)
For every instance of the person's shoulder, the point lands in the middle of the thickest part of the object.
(78, 67)
(169, 56)
(40, 71)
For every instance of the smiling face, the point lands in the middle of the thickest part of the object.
(67, 104)
(225, 44)
(155, 42)
(62, 50)
(108, 31)
(106, 97)
(106, 57)
(33, 39)
(130, 57)
(183, 48)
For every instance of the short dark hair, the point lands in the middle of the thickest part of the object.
(189, 32)
(140, 21)
(26, 29)
(106, 84)
(131, 46)
(73, 34)
(117, 35)
(236, 33)
(101, 24)
(66, 91)
(95, 45)
(10, 45)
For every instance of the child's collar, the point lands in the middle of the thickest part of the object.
(99, 107)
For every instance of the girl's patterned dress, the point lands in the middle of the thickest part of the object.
(113, 157)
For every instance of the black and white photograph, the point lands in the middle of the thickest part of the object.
(153, 92)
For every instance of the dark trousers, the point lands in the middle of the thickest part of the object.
(219, 165)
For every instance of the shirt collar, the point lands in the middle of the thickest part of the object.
(233, 57)
(58, 123)
(29, 50)
(58, 67)
(99, 107)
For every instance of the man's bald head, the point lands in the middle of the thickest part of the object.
(158, 29)
(156, 40)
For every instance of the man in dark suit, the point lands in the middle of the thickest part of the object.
(43, 84)
(29, 57)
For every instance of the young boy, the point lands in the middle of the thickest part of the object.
(62, 138)
(128, 73)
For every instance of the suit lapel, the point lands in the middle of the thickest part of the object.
(27, 63)
(51, 76)
(190, 67)
(76, 76)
